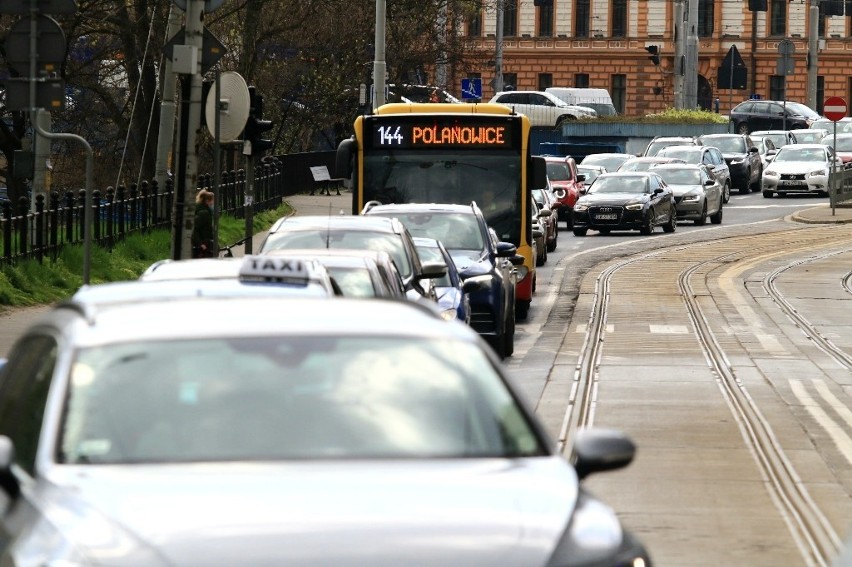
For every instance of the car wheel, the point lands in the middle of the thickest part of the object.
(743, 128)
(542, 258)
(746, 188)
(648, 227)
(758, 184)
(508, 340)
(716, 218)
(580, 231)
(703, 218)
(726, 193)
(671, 226)
(522, 309)
(768, 194)
(551, 246)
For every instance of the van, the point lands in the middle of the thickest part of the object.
(598, 99)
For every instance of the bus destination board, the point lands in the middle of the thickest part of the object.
(427, 132)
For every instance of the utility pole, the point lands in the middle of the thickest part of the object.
(753, 81)
(190, 120)
(41, 158)
(498, 50)
(165, 137)
(379, 64)
(679, 51)
(690, 84)
(813, 49)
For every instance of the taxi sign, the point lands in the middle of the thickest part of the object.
(269, 268)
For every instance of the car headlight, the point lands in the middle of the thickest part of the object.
(816, 172)
(449, 314)
(634, 207)
(770, 173)
(595, 537)
(691, 198)
(580, 207)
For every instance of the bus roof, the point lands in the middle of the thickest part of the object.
(443, 108)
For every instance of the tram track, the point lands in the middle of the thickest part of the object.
(814, 535)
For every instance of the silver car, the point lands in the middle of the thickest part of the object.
(697, 195)
(214, 431)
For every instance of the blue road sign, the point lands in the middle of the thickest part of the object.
(471, 88)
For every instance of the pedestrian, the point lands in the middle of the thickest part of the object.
(203, 245)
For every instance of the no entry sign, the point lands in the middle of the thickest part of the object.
(834, 108)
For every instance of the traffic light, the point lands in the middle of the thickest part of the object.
(256, 126)
(654, 50)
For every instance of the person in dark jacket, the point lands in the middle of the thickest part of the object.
(202, 230)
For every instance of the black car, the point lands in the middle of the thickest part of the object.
(754, 115)
(743, 159)
(638, 200)
(464, 232)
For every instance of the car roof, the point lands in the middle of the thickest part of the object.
(666, 166)
(346, 222)
(211, 317)
(626, 174)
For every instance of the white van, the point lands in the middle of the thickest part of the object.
(598, 99)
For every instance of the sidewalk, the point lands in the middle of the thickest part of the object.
(823, 214)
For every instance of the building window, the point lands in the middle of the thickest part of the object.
(510, 81)
(510, 18)
(474, 23)
(778, 18)
(545, 20)
(619, 18)
(619, 92)
(581, 18)
(581, 80)
(776, 87)
(705, 18)
(545, 80)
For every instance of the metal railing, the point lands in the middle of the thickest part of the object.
(841, 189)
(59, 220)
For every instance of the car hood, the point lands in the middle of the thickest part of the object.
(680, 190)
(797, 166)
(442, 512)
(469, 262)
(613, 198)
(735, 155)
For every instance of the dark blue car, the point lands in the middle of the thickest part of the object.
(482, 261)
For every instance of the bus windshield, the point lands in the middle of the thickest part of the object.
(491, 178)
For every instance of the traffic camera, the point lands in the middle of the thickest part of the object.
(256, 126)
(654, 50)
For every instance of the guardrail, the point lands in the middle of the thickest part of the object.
(841, 189)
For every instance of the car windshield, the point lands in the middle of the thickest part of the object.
(843, 144)
(457, 231)
(267, 398)
(619, 184)
(558, 171)
(588, 173)
(610, 163)
(689, 154)
(808, 136)
(680, 176)
(727, 145)
(800, 154)
(355, 239)
(353, 281)
(801, 109)
(654, 147)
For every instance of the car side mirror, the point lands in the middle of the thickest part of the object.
(8, 481)
(517, 260)
(432, 270)
(475, 284)
(657, 191)
(545, 213)
(581, 177)
(752, 150)
(709, 182)
(598, 450)
(537, 233)
(506, 250)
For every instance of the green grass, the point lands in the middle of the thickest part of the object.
(30, 283)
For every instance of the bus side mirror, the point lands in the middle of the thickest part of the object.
(539, 173)
(343, 159)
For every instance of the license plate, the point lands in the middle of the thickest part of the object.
(612, 216)
(790, 182)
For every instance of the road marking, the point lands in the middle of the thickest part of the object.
(669, 329)
(583, 327)
(835, 431)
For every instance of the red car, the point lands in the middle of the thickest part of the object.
(843, 149)
(566, 182)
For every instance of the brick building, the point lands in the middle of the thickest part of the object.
(602, 44)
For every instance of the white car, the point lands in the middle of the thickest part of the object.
(800, 168)
(543, 109)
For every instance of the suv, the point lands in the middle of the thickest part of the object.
(543, 109)
(566, 183)
(754, 115)
(660, 142)
(743, 159)
(321, 232)
(708, 156)
(464, 232)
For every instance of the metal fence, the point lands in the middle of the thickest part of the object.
(841, 193)
(59, 219)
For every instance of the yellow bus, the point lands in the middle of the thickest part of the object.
(450, 153)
